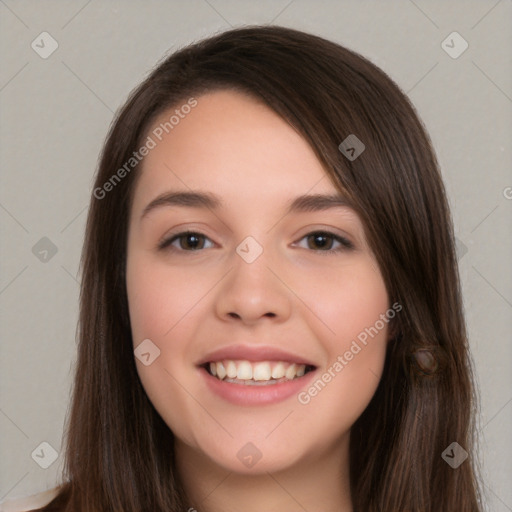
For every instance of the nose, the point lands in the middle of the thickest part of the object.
(253, 291)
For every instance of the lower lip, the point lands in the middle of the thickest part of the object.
(243, 394)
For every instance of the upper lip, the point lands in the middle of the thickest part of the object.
(252, 353)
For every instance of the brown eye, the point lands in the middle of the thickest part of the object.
(187, 241)
(322, 241)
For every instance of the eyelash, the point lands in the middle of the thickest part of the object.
(345, 244)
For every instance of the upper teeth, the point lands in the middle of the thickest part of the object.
(262, 370)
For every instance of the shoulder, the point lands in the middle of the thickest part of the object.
(30, 502)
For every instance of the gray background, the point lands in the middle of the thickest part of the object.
(55, 115)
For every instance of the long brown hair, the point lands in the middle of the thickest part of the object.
(119, 452)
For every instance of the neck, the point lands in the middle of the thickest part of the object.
(317, 484)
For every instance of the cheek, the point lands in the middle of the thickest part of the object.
(159, 298)
(348, 300)
(355, 307)
(165, 307)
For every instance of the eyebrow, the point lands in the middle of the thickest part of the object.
(304, 203)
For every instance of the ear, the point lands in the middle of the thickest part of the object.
(393, 329)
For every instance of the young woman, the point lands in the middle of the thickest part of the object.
(271, 315)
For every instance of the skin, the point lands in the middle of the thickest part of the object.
(191, 302)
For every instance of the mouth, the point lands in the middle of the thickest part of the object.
(256, 373)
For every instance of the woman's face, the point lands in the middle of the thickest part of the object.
(257, 289)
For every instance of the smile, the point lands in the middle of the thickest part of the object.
(256, 373)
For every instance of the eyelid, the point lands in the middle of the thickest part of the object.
(346, 244)
(165, 242)
(181, 230)
(330, 230)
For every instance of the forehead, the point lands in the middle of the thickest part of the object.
(233, 145)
